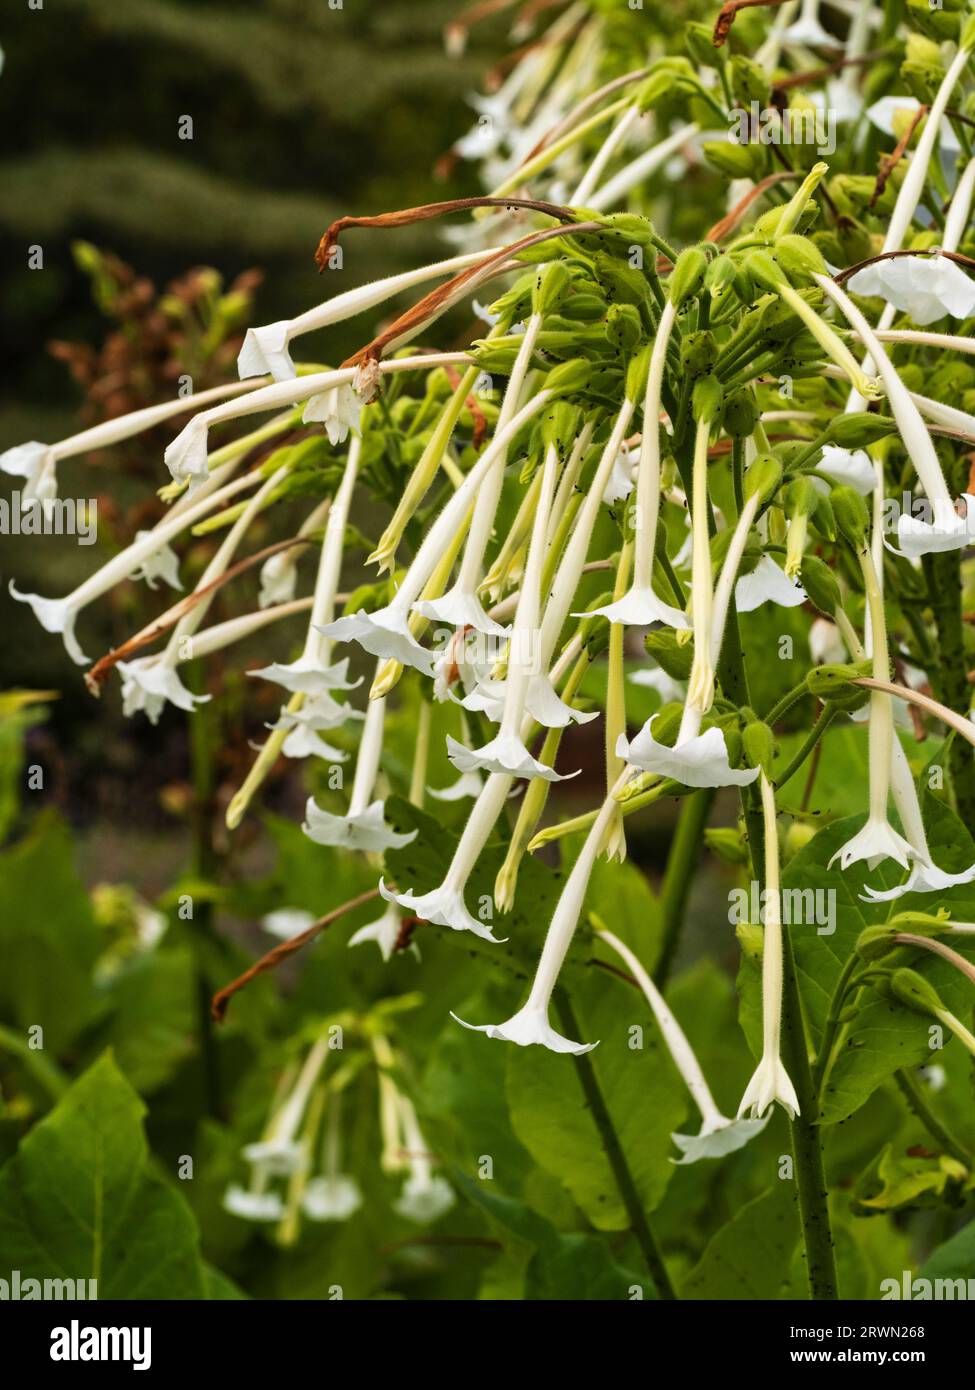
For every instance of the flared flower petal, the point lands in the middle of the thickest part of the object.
(286, 922)
(384, 633)
(384, 932)
(504, 754)
(923, 878)
(307, 674)
(55, 615)
(877, 841)
(467, 784)
(162, 563)
(318, 712)
(852, 467)
(265, 350)
(459, 609)
(656, 678)
(443, 906)
(331, 1199)
(701, 761)
(717, 1140)
(304, 741)
(620, 483)
(770, 1083)
(807, 32)
(186, 457)
(640, 608)
(338, 409)
(767, 583)
(365, 830)
(30, 460)
(528, 1026)
(924, 287)
(425, 1199)
(150, 683)
(279, 580)
(950, 532)
(253, 1206)
(280, 1157)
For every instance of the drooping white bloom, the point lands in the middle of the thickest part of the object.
(718, 1134)
(656, 678)
(286, 922)
(55, 615)
(767, 583)
(149, 683)
(162, 563)
(279, 1151)
(505, 753)
(384, 932)
(852, 467)
(467, 784)
(331, 1198)
(278, 579)
(36, 464)
(696, 760)
(426, 1196)
(947, 532)
(253, 1205)
(338, 409)
(771, 1081)
(924, 287)
(364, 826)
(826, 646)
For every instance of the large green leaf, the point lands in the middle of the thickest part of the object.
(152, 1024)
(644, 1094)
(80, 1200)
(955, 1259)
(749, 1257)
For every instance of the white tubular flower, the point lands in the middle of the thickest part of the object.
(308, 675)
(460, 605)
(319, 711)
(826, 646)
(364, 826)
(924, 287)
(530, 1024)
(280, 1151)
(641, 606)
(278, 579)
(384, 932)
(162, 563)
(613, 192)
(949, 531)
(467, 784)
(696, 760)
(253, 1205)
(286, 922)
(37, 465)
(807, 32)
(386, 632)
(767, 583)
(304, 741)
(883, 112)
(771, 1081)
(925, 876)
(265, 349)
(426, 1196)
(718, 1135)
(656, 678)
(700, 686)
(445, 905)
(507, 752)
(149, 683)
(853, 467)
(878, 840)
(57, 615)
(339, 409)
(331, 1199)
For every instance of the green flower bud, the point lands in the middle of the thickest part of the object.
(874, 943)
(636, 374)
(670, 656)
(624, 328)
(763, 478)
(587, 308)
(698, 352)
(737, 160)
(834, 684)
(824, 518)
(570, 377)
(727, 844)
(856, 430)
(797, 836)
(560, 426)
(550, 287)
(707, 399)
(852, 515)
(719, 277)
(914, 991)
(697, 38)
(764, 269)
(623, 283)
(667, 723)
(687, 276)
(820, 584)
(759, 745)
(740, 414)
(801, 496)
(749, 81)
(799, 257)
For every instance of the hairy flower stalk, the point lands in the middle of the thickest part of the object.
(770, 1082)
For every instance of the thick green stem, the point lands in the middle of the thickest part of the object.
(603, 1121)
(943, 573)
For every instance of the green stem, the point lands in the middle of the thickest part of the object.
(917, 1101)
(782, 707)
(738, 472)
(614, 1153)
(826, 716)
(834, 1021)
(943, 573)
(675, 889)
(44, 1071)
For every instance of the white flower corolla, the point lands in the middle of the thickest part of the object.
(149, 683)
(621, 482)
(384, 633)
(331, 1198)
(265, 350)
(278, 1154)
(365, 829)
(251, 1205)
(807, 32)
(886, 110)
(656, 678)
(506, 753)
(457, 608)
(385, 932)
(308, 675)
(484, 137)
(767, 583)
(826, 645)
(542, 702)
(696, 760)
(304, 741)
(467, 784)
(852, 467)
(718, 1134)
(37, 465)
(425, 1195)
(878, 840)
(278, 579)
(318, 711)
(338, 409)
(926, 288)
(947, 532)
(279, 1151)
(286, 922)
(162, 563)
(445, 905)
(771, 1081)
(57, 615)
